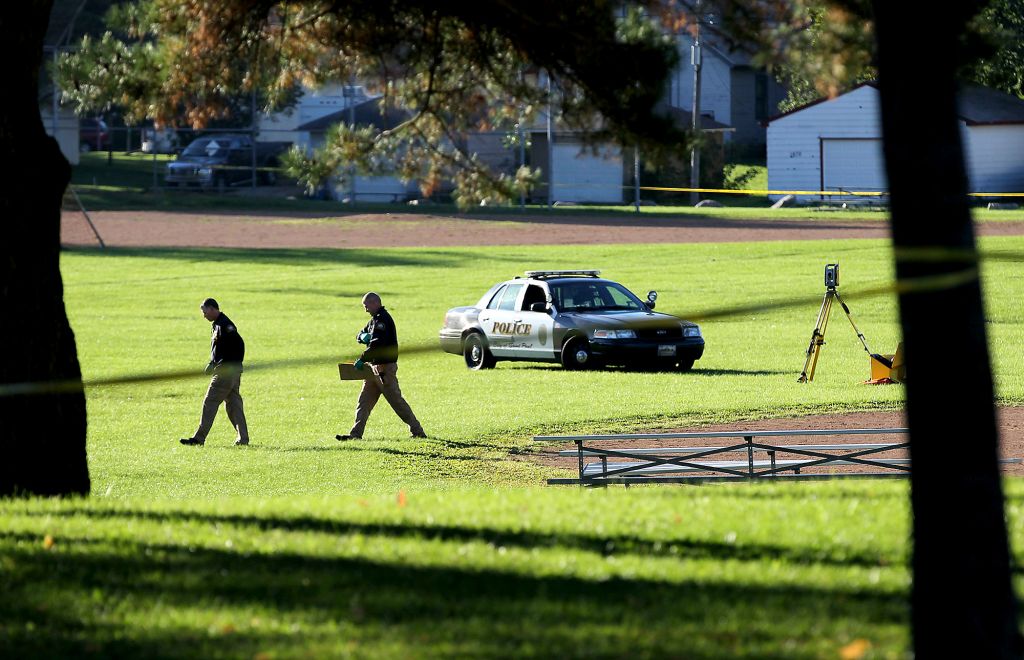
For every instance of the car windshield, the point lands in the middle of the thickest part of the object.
(594, 296)
(207, 147)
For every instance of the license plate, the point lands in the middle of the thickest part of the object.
(666, 350)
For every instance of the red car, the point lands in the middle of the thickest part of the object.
(92, 135)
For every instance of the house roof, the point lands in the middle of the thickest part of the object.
(976, 106)
(980, 106)
(367, 113)
(684, 117)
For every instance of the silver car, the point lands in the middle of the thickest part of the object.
(569, 316)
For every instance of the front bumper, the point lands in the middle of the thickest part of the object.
(641, 351)
(189, 176)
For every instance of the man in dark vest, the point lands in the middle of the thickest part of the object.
(227, 350)
(381, 354)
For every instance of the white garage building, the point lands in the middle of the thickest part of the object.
(836, 144)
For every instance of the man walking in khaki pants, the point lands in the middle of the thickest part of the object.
(227, 350)
(381, 354)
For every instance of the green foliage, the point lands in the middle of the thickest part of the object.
(453, 68)
(829, 49)
(1000, 65)
(745, 177)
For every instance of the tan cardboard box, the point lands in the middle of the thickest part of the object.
(348, 371)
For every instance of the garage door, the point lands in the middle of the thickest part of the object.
(586, 177)
(853, 164)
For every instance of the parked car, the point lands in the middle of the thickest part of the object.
(92, 134)
(569, 316)
(224, 160)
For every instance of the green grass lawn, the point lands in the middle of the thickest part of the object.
(387, 547)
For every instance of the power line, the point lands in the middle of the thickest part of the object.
(927, 284)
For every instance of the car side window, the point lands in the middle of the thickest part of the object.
(496, 298)
(534, 294)
(508, 301)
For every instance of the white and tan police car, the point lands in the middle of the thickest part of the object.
(569, 316)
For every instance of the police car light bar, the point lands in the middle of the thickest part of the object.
(539, 274)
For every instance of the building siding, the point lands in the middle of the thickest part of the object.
(794, 140)
(715, 81)
(995, 157)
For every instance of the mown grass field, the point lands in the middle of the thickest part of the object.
(387, 547)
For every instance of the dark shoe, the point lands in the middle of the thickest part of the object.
(419, 434)
(241, 443)
(347, 437)
(192, 441)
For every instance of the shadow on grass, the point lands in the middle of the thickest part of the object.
(100, 598)
(604, 545)
(333, 444)
(696, 371)
(279, 256)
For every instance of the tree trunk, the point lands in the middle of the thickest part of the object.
(42, 434)
(962, 600)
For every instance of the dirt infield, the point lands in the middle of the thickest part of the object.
(312, 230)
(249, 230)
(1011, 428)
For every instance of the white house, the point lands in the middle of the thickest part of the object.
(836, 144)
(733, 91)
(360, 188)
(65, 128)
(311, 105)
(598, 174)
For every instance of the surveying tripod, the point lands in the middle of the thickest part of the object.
(818, 336)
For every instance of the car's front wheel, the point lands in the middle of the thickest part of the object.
(576, 354)
(476, 354)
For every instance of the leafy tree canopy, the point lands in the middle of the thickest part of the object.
(830, 47)
(455, 66)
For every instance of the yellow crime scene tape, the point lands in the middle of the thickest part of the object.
(815, 193)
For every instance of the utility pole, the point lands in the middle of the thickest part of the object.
(636, 178)
(252, 131)
(551, 150)
(695, 59)
(350, 92)
(522, 161)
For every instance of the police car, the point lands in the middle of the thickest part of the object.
(573, 317)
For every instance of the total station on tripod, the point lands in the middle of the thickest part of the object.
(818, 335)
(831, 276)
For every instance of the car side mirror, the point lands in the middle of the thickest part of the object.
(651, 297)
(541, 307)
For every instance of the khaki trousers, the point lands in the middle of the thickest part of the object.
(382, 379)
(224, 388)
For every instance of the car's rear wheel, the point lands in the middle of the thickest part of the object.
(576, 354)
(476, 354)
(685, 365)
